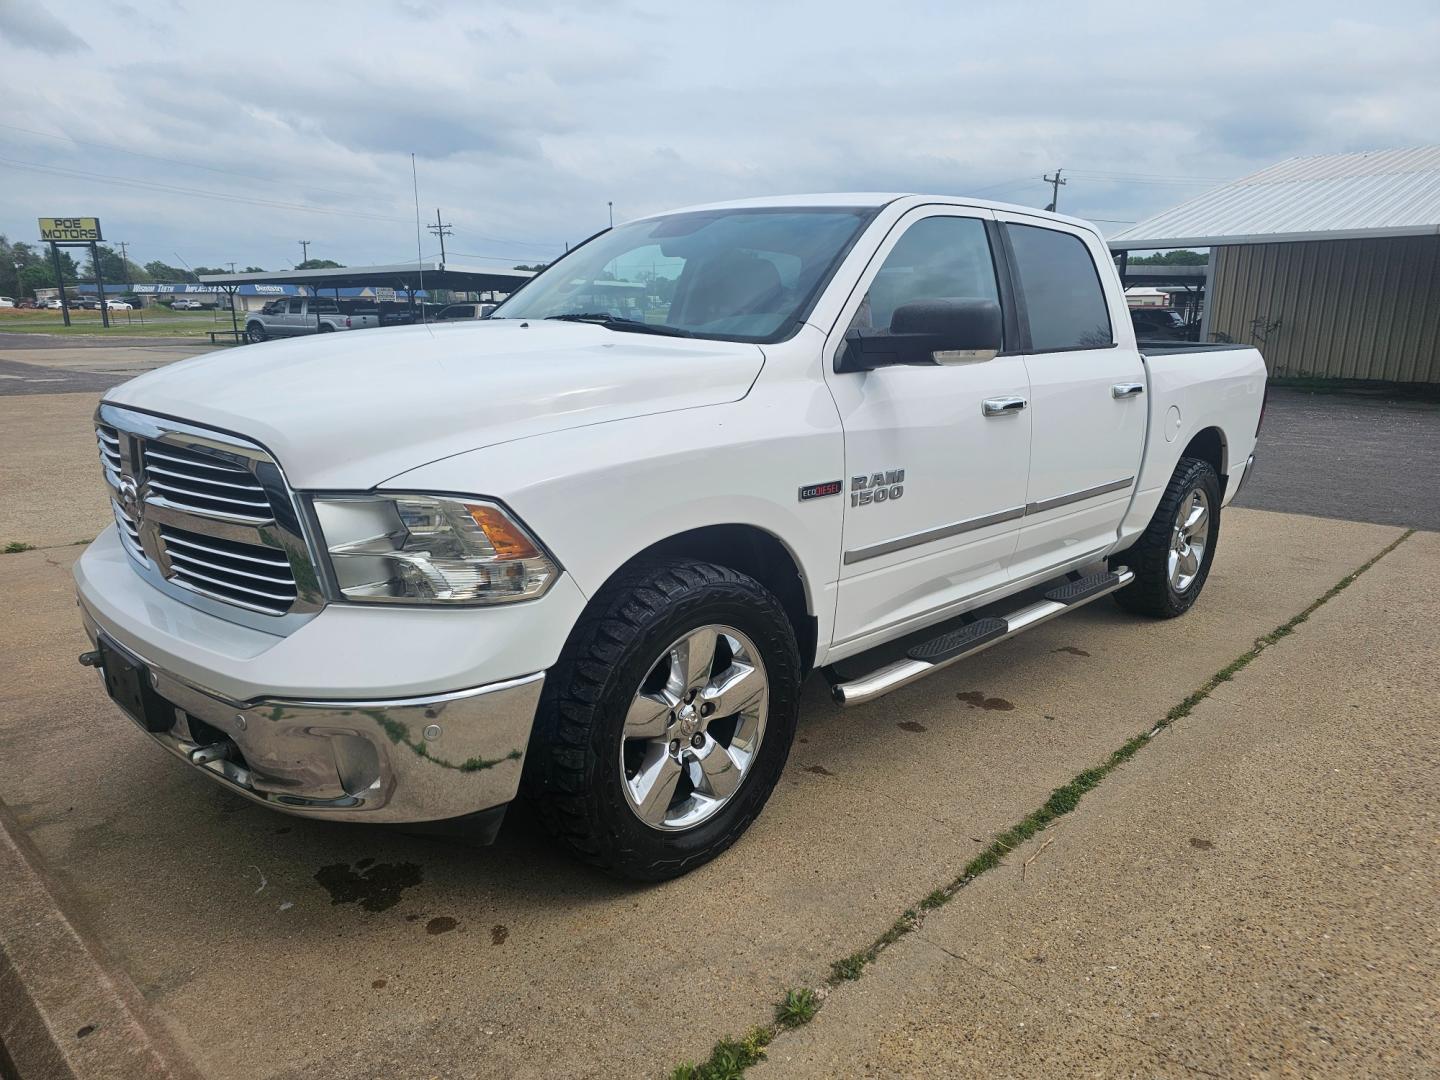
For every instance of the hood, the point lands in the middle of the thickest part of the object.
(354, 408)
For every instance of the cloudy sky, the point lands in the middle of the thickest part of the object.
(228, 131)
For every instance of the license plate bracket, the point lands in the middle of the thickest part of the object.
(128, 683)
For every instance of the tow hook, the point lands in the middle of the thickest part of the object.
(90, 659)
(219, 751)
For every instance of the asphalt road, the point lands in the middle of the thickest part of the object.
(1356, 456)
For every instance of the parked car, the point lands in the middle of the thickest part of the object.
(186, 305)
(7, 301)
(53, 303)
(1159, 324)
(300, 315)
(25, 302)
(590, 559)
(465, 311)
(118, 305)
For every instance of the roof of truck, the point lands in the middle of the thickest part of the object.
(872, 199)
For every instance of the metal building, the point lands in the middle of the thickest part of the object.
(1330, 264)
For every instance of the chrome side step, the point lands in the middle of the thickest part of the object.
(952, 646)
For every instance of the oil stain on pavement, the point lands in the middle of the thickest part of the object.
(977, 700)
(374, 886)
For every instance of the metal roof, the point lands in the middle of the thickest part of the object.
(436, 275)
(1329, 197)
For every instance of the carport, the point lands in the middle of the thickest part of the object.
(412, 279)
(1327, 263)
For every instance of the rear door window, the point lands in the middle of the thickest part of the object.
(1064, 300)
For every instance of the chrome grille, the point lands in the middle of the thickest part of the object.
(240, 573)
(196, 481)
(108, 440)
(207, 517)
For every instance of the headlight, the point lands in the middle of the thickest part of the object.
(430, 549)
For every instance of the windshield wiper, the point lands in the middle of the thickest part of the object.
(618, 322)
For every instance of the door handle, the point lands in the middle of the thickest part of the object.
(1127, 389)
(1002, 406)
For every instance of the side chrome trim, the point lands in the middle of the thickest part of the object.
(1078, 496)
(902, 542)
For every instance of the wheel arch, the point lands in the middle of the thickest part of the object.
(752, 551)
(1209, 444)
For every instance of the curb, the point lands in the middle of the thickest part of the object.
(64, 1013)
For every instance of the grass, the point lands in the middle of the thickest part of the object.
(729, 1059)
(17, 546)
(122, 323)
(797, 1007)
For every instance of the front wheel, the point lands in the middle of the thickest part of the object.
(665, 725)
(1172, 558)
(255, 333)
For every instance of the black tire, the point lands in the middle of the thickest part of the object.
(573, 772)
(255, 333)
(326, 328)
(1152, 592)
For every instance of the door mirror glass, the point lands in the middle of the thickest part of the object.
(927, 332)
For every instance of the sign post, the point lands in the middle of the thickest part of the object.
(74, 232)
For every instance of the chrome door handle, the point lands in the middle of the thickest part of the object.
(1127, 389)
(1002, 406)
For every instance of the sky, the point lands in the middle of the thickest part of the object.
(204, 133)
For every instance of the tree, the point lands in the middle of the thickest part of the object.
(1181, 257)
(160, 271)
(35, 269)
(117, 271)
(320, 264)
(537, 267)
(254, 270)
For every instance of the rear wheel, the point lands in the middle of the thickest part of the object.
(255, 333)
(664, 727)
(1172, 558)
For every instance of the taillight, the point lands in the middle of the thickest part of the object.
(347, 327)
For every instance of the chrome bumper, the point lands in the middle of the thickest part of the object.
(416, 759)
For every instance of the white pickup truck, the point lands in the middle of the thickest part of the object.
(297, 316)
(588, 555)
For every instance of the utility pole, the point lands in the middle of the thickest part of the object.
(304, 251)
(231, 264)
(125, 263)
(1055, 184)
(441, 229)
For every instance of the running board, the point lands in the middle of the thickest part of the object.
(948, 648)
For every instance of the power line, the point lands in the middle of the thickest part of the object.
(441, 229)
(173, 161)
(174, 189)
(150, 185)
(1055, 184)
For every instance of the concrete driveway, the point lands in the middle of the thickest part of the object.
(1255, 889)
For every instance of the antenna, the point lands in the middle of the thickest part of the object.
(419, 251)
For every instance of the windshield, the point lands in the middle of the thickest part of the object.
(744, 275)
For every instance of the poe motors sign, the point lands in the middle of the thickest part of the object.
(61, 232)
(70, 230)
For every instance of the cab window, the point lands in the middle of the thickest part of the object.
(1064, 300)
(938, 258)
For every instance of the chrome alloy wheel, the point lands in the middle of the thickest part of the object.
(1188, 539)
(694, 728)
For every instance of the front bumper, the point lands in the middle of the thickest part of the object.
(385, 715)
(419, 759)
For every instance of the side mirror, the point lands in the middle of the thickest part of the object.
(927, 332)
